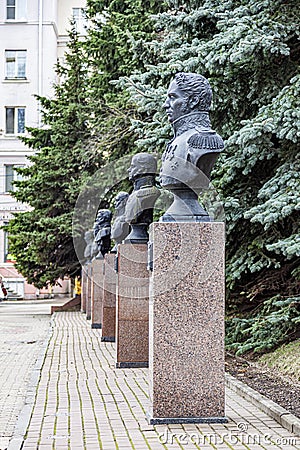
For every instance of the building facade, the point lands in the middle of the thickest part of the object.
(33, 37)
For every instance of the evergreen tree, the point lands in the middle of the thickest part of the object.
(114, 48)
(249, 50)
(85, 126)
(41, 239)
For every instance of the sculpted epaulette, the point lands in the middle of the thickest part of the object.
(206, 140)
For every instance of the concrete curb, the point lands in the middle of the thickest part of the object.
(16, 443)
(281, 415)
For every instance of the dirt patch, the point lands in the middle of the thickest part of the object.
(268, 382)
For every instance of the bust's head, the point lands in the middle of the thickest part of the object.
(142, 164)
(188, 92)
(88, 237)
(121, 199)
(103, 216)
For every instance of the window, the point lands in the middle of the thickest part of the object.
(9, 178)
(11, 175)
(79, 18)
(15, 120)
(15, 63)
(16, 9)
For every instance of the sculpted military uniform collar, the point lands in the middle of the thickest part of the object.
(191, 121)
(144, 182)
(105, 224)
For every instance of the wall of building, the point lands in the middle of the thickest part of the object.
(42, 32)
(65, 14)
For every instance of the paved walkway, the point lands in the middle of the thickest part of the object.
(21, 342)
(84, 403)
(24, 326)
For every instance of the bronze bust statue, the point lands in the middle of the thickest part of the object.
(189, 157)
(120, 227)
(102, 228)
(139, 207)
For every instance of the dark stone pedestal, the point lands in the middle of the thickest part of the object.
(132, 306)
(109, 299)
(84, 286)
(187, 380)
(97, 293)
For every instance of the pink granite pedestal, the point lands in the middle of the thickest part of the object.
(89, 291)
(132, 306)
(109, 299)
(186, 361)
(97, 293)
(83, 288)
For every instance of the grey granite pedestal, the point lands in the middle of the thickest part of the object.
(186, 361)
(109, 299)
(97, 293)
(89, 282)
(132, 335)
